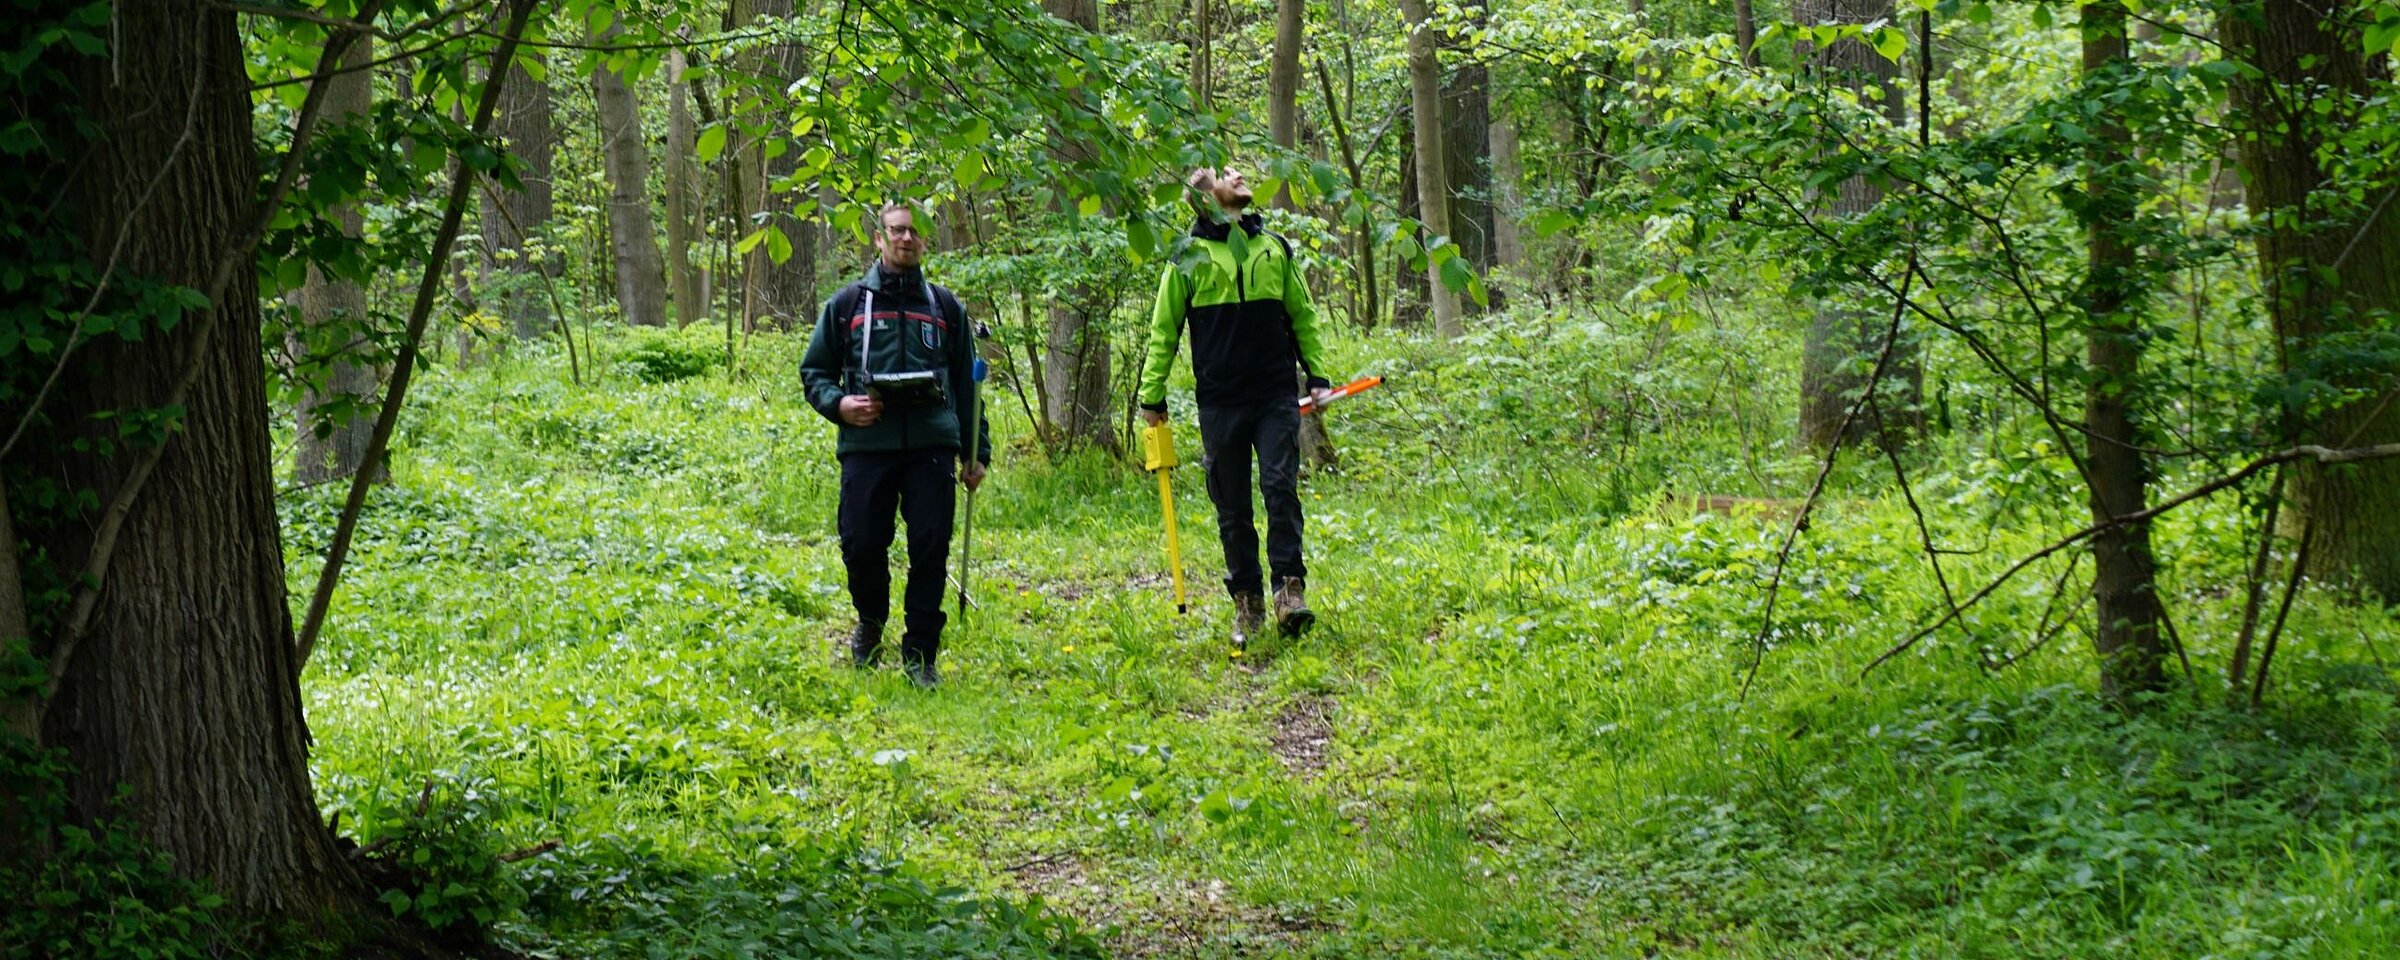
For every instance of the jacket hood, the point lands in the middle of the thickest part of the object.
(1210, 228)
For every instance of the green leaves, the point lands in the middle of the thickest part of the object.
(2382, 35)
(711, 143)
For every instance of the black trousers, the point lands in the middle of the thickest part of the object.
(918, 486)
(1229, 434)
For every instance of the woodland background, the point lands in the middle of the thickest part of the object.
(1854, 478)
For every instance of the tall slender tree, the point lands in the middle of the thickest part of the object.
(2129, 635)
(1844, 341)
(1076, 362)
(625, 160)
(511, 219)
(1466, 140)
(685, 280)
(2330, 260)
(332, 441)
(1433, 199)
(1283, 83)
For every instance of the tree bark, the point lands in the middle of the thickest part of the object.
(1745, 32)
(2129, 635)
(2328, 265)
(625, 158)
(1204, 70)
(1467, 139)
(1076, 342)
(1433, 201)
(1508, 194)
(1843, 339)
(1283, 84)
(783, 295)
(684, 282)
(337, 311)
(181, 710)
(524, 125)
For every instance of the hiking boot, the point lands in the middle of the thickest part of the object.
(866, 646)
(1249, 615)
(922, 674)
(1292, 615)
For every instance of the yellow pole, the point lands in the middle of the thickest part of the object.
(1166, 502)
(1158, 456)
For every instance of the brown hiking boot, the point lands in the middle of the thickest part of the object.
(1249, 616)
(1291, 608)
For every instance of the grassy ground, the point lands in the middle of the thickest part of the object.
(604, 616)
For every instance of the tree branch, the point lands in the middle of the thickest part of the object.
(2307, 452)
(379, 442)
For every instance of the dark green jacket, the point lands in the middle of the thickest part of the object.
(1251, 321)
(911, 333)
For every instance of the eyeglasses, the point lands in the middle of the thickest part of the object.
(900, 233)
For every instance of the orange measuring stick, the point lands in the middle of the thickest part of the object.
(1353, 388)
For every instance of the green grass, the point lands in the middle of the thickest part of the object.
(604, 616)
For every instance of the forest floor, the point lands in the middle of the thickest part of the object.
(607, 615)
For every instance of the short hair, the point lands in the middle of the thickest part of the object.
(887, 211)
(1201, 191)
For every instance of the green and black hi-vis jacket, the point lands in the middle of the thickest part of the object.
(1250, 320)
(918, 326)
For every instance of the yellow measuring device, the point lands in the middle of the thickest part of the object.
(1158, 456)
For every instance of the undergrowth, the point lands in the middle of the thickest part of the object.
(604, 616)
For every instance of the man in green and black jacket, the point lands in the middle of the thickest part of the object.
(892, 365)
(1250, 322)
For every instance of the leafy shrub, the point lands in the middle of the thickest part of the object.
(89, 893)
(437, 858)
(665, 356)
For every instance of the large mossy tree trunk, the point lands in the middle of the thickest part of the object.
(180, 709)
(641, 274)
(2330, 261)
(513, 218)
(333, 318)
(2129, 634)
(1844, 340)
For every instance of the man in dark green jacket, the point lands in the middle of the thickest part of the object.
(1250, 322)
(892, 365)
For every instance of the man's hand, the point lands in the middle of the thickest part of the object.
(972, 476)
(1318, 396)
(860, 410)
(1154, 417)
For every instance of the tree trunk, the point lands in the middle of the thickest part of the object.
(2328, 264)
(2128, 636)
(1467, 140)
(1844, 340)
(1076, 367)
(181, 709)
(1412, 301)
(1508, 195)
(1745, 32)
(789, 297)
(1283, 84)
(1433, 202)
(625, 156)
(683, 198)
(524, 125)
(336, 310)
(1204, 70)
